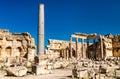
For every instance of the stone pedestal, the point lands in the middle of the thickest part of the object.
(39, 70)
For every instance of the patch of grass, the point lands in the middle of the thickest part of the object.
(29, 67)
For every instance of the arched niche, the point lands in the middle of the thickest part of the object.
(33, 49)
(19, 51)
(8, 51)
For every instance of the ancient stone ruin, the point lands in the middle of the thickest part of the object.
(90, 46)
(88, 56)
(16, 47)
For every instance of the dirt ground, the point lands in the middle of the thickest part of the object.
(57, 74)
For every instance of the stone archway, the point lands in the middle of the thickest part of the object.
(8, 51)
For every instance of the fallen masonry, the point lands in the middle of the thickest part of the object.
(99, 70)
(80, 68)
(16, 71)
(83, 68)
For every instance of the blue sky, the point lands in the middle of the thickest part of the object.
(62, 17)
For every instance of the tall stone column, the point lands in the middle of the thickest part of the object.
(83, 48)
(64, 53)
(87, 54)
(77, 47)
(70, 46)
(41, 30)
(67, 52)
(101, 46)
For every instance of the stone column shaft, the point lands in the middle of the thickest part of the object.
(101, 46)
(64, 53)
(82, 48)
(87, 48)
(70, 47)
(77, 47)
(67, 53)
(41, 30)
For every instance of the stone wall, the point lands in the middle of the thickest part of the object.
(60, 48)
(56, 47)
(107, 47)
(116, 46)
(16, 45)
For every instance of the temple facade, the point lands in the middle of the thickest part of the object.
(92, 46)
(16, 46)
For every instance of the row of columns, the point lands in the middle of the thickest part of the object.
(82, 54)
(65, 53)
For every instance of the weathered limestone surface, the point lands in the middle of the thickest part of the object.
(116, 46)
(41, 30)
(14, 47)
(44, 66)
(108, 69)
(16, 71)
(2, 73)
(40, 70)
(60, 48)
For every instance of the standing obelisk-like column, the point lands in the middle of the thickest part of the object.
(41, 30)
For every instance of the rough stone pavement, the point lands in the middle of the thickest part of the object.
(57, 74)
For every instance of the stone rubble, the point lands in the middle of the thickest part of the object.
(99, 68)
(16, 71)
(84, 68)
